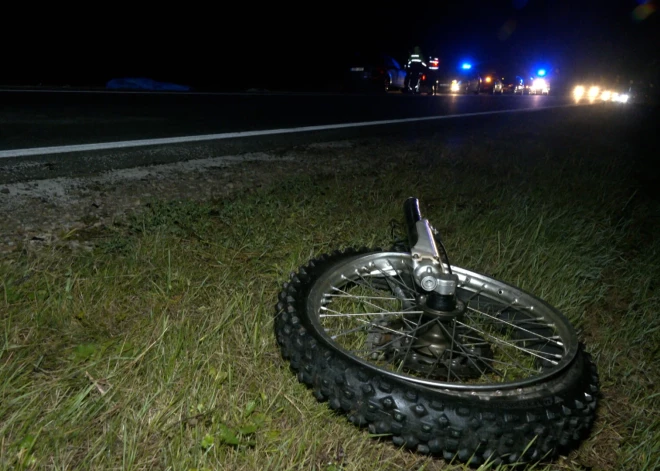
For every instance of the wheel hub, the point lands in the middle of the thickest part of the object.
(440, 307)
(432, 353)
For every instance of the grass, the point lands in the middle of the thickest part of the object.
(156, 350)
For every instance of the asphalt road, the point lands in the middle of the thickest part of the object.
(35, 125)
(45, 119)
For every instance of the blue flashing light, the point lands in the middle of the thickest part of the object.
(466, 66)
(541, 72)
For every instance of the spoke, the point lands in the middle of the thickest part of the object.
(466, 352)
(387, 329)
(451, 351)
(356, 314)
(516, 327)
(398, 274)
(484, 347)
(401, 334)
(367, 283)
(530, 322)
(493, 360)
(405, 356)
(502, 342)
(419, 321)
(474, 295)
(386, 298)
(509, 340)
(401, 284)
(348, 295)
(349, 331)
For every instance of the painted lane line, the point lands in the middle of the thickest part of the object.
(241, 134)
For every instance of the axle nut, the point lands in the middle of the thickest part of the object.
(429, 283)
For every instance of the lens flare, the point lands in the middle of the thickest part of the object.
(642, 12)
(506, 30)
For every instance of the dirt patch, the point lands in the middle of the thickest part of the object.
(46, 212)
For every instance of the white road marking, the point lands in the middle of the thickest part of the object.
(242, 134)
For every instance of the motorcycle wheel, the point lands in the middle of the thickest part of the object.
(507, 382)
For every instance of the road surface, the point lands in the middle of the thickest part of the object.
(43, 119)
(49, 133)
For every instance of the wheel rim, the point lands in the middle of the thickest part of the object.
(507, 338)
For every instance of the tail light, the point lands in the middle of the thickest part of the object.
(423, 77)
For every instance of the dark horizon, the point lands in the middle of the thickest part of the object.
(273, 45)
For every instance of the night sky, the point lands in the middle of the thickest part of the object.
(239, 45)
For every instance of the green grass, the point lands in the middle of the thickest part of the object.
(156, 351)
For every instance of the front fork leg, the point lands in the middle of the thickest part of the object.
(437, 284)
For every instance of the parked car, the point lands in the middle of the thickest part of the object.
(374, 72)
(522, 87)
(488, 83)
(539, 86)
(526, 86)
(508, 84)
(466, 82)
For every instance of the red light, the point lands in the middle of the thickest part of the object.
(423, 77)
